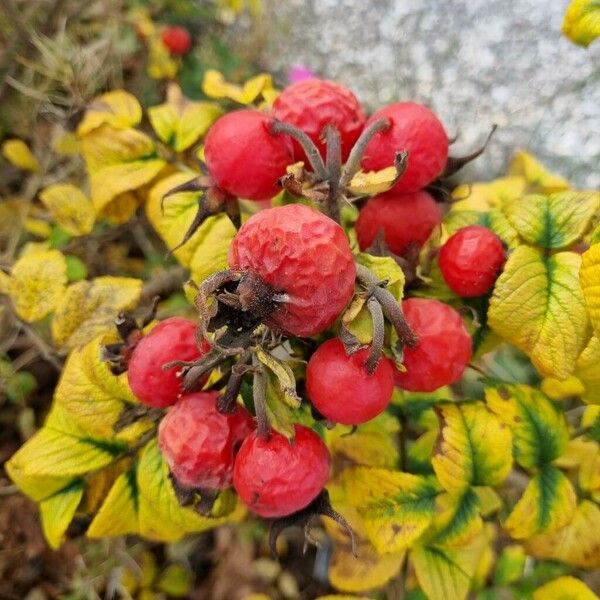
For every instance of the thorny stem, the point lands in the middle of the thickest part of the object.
(259, 393)
(312, 152)
(356, 154)
(378, 334)
(226, 404)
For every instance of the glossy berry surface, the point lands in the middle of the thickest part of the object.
(471, 259)
(341, 389)
(244, 158)
(275, 478)
(172, 339)
(313, 103)
(414, 128)
(199, 443)
(443, 350)
(304, 254)
(177, 39)
(404, 218)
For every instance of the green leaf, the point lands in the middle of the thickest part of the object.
(386, 269)
(554, 221)
(540, 432)
(538, 306)
(396, 507)
(474, 447)
(510, 565)
(76, 269)
(58, 510)
(547, 504)
(582, 21)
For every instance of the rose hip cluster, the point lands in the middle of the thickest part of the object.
(292, 273)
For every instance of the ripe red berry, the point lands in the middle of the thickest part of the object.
(199, 443)
(275, 478)
(177, 39)
(341, 389)
(313, 103)
(442, 351)
(302, 255)
(404, 218)
(471, 259)
(414, 128)
(173, 339)
(244, 158)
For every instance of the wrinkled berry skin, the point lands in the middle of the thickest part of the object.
(416, 129)
(313, 103)
(470, 260)
(404, 218)
(200, 444)
(172, 339)
(274, 478)
(177, 39)
(443, 350)
(341, 389)
(244, 158)
(300, 252)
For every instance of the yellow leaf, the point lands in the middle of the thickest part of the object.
(176, 581)
(161, 64)
(576, 544)
(38, 284)
(37, 227)
(396, 507)
(564, 588)
(446, 573)
(181, 122)
(214, 85)
(590, 283)
(581, 23)
(69, 208)
(540, 432)
(547, 504)
(67, 143)
(587, 370)
(373, 182)
(58, 510)
(18, 154)
(89, 308)
(482, 197)
(474, 447)
(539, 179)
(116, 108)
(554, 221)
(118, 161)
(538, 306)
(206, 251)
(561, 390)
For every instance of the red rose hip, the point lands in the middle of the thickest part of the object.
(244, 158)
(305, 258)
(172, 339)
(341, 389)
(471, 259)
(403, 218)
(313, 103)
(177, 39)
(275, 478)
(199, 443)
(443, 349)
(415, 128)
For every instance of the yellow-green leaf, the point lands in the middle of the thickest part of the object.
(38, 283)
(161, 63)
(18, 154)
(474, 447)
(396, 507)
(540, 431)
(446, 573)
(176, 581)
(581, 23)
(538, 178)
(590, 283)
(283, 374)
(118, 161)
(576, 544)
(386, 269)
(564, 588)
(587, 370)
(547, 504)
(89, 308)
(58, 510)
(510, 565)
(538, 306)
(69, 208)
(554, 221)
(116, 108)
